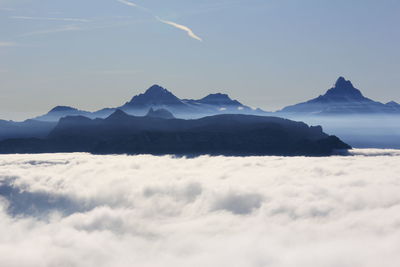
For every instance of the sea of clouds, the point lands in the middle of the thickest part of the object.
(87, 210)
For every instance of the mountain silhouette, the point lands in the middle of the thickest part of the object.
(344, 91)
(157, 97)
(154, 97)
(230, 134)
(342, 99)
(219, 99)
(61, 111)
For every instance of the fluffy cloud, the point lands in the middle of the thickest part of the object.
(86, 210)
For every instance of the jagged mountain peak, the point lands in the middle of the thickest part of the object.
(157, 97)
(343, 98)
(154, 96)
(343, 83)
(344, 88)
(156, 89)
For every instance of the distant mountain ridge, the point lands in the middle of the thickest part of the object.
(157, 97)
(342, 99)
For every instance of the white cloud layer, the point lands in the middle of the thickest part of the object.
(85, 210)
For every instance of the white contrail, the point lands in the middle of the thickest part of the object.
(181, 27)
(171, 23)
(128, 3)
(67, 28)
(53, 19)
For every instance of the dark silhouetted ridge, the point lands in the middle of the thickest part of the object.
(229, 134)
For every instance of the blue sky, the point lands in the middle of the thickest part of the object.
(96, 53)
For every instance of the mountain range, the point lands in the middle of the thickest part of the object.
(342, 101)
(157, 97)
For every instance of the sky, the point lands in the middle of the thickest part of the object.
(92, 54)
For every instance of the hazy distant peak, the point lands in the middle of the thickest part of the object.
(62, 109)
(343, 98)
(154, 96)
(393, 104)
(117, 114)
(217, 96)
(219, 99)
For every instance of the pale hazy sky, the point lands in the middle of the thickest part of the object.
(267, 53)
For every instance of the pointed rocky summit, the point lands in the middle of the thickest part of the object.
(343, 89)
(154, 96)
(342, 99)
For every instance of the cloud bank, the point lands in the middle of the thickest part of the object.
(86, 210)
